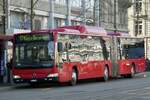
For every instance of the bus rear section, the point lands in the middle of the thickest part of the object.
(34, 58)
(130, 56)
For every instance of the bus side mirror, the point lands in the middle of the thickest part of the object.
(60, 47)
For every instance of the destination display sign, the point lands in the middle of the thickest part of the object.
(32, 37)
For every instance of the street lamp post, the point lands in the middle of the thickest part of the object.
(51, 14)
(96, 12)
(137, 17)
(83, 11)
(4, 16)
(31, 16)
(68, 2)
(115, 21)
(32, 13)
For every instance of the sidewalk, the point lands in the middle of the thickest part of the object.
(143, 74)
(5, 84)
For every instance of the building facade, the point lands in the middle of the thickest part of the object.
(110, 12)
(2, 16)
(139, 18)
(114, 15)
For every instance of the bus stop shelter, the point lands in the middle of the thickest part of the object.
(3, 54)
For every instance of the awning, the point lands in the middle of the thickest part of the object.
(6, 37)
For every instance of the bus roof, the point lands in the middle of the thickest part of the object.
(78, 29)
(83, 29)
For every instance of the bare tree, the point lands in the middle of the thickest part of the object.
(33, 3)
(86, 7)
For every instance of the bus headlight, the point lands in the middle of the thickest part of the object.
(16, 76)
(127, 64)
(53, 75)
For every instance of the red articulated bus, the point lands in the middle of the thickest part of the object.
(72, 53)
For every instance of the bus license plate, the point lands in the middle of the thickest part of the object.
(33, 80)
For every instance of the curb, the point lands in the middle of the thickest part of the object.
(5, 84)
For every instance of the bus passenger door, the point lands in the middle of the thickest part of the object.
(83, 70)
(87, 68)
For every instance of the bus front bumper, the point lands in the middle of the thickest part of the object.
(36, 80)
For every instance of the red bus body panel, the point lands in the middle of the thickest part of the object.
(86, 70)
(37, 73)
(125, 65)
(140, 64)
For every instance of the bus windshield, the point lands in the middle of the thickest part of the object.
(35, 54)
(134, 51)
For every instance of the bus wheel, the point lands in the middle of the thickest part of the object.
(73, 78)
(106, 74)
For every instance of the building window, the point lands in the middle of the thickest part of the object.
(16, 20)
(74, 22)
(138, 6)
(138, 27)
(40, 22)
(37, 24)
(59, 22)
(76, 3)
(62, 2)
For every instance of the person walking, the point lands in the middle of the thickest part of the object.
(9, 68)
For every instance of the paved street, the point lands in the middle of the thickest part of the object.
(120, 89)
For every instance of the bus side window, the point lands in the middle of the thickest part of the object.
(62, 52)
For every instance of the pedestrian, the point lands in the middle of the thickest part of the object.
(147, 64)
(9, 68)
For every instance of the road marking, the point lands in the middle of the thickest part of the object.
(147, 88)
(143, 94)
(128, 91)
(147, 97)
(47, 89)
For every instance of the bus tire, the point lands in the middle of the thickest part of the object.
(73, 78)
(106, 74)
